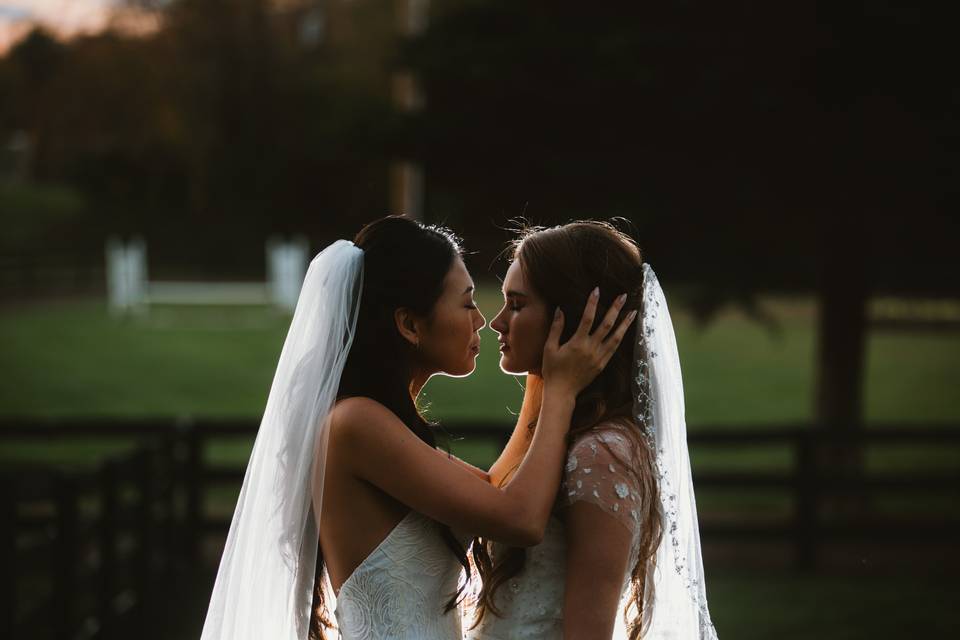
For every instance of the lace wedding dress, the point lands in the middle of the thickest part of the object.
(400, 590)
(531, 603)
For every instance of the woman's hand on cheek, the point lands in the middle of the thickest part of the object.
(570, 367)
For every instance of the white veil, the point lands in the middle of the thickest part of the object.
(265, 581)
(678, 608)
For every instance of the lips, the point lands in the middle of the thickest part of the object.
(504, 347)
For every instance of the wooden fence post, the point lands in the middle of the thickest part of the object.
(145, 533)
(108, 546)
(67, 564)
(8, 555)
(168, 500)
(807, 497)
(194, 493)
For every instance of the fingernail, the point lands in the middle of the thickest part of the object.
(556, 314)
(595, 292)
(633, 314)
(621, 298)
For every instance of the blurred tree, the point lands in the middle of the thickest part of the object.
(756, 146)
(28, 75)
(230, 121)
(32, 214)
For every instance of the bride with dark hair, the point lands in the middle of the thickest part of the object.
(346, 496)
(621, 552)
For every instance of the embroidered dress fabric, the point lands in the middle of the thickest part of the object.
(531, 602)
(600, 470)
(400, 590)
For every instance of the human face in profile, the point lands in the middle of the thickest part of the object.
(522, 324)
(450, 340)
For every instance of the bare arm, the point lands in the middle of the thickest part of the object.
(516, 448)
(604, 499)
(598, 550)
(477, 471)
(380, 449)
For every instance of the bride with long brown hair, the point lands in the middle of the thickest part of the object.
(621, 552)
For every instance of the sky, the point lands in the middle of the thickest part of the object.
(65, 17)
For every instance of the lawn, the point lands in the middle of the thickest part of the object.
(73, 359)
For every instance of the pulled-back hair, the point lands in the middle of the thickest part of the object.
(562, 265)
(404, 266)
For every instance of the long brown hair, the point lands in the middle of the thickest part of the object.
(404, 265)
(563, 264)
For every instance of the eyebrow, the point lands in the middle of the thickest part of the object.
(514, 294)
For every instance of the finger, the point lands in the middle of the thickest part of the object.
(589, 312)
(610, 318)
(556, 328)
(613, 340)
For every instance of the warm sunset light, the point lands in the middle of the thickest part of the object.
(64, 17)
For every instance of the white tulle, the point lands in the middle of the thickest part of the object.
(264, 584)
(679, 606)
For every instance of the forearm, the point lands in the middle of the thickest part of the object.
(537, 479)
(519, 443)
(512, 455)
(480, 473)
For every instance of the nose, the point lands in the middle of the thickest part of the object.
(482, 319)
(498, 324)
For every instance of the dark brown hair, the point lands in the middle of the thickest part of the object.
(562, 265)
(404, 266)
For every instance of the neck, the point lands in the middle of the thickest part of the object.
(418, 381)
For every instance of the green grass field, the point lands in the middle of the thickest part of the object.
(73, 359)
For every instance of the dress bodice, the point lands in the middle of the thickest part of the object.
(599, 470)
(531, 602)
(400, 590)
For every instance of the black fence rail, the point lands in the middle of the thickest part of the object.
(89, 548)
(86, 551)
(829, 470)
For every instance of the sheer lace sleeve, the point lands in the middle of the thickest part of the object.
(600, 470)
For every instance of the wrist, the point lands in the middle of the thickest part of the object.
(557, 387)
(559, 395)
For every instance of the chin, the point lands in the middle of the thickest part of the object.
(511, 368)
(462, 370)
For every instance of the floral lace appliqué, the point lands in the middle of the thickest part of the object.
(595, 473)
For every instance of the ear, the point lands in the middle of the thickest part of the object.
(408, 325)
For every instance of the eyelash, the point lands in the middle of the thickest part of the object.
(471, 306)
(514, 307)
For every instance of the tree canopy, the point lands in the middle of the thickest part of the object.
(755, 145)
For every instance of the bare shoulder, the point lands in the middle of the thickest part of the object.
(359, 418)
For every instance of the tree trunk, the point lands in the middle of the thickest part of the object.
(844, 290)
(841, 342)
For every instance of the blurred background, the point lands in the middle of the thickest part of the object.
(167, 168)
